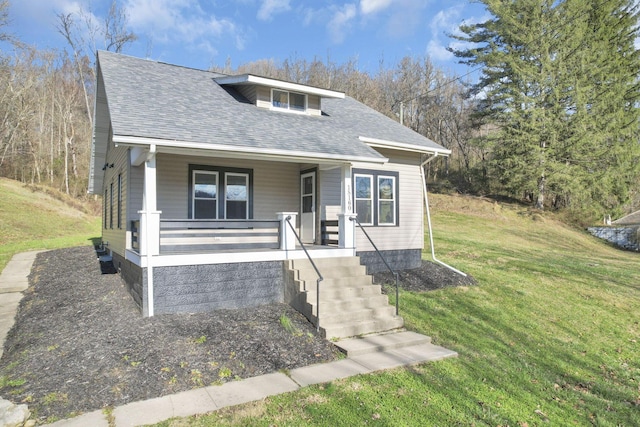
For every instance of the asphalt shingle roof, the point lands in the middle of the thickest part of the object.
(156, 100)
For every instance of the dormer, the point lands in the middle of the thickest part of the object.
(279, 95)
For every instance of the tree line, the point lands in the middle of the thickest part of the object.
(553, 119)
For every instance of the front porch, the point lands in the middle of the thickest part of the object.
(196, 242)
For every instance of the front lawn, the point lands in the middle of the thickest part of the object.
(550, 336)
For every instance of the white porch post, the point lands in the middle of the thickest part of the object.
(287, 238)
(150, 223)
(346, 227)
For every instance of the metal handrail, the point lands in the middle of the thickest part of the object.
(320, 278)
(395, 273)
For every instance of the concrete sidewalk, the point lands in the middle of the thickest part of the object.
(207, 399)
(14, 279)
(364, 355)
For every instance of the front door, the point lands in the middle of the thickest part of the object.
(308, 207)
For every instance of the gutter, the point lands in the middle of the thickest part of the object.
(426, 202)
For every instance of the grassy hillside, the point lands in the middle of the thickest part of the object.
(31, 219)
(550, 336)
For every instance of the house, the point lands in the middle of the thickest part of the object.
(623, 232)
(209, 180)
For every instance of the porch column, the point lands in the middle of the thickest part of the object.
(149, 215)
(346, 227)
(149, 225)
(287, 237)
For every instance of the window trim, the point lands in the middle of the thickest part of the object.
(288, 107)
(372, 198)
(246, 177)
(394, 200)
(193, 198)
(111, 205)
(119, 206)
(375, 175)
(221, 171)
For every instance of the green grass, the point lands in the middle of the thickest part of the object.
(550, 336)
(32, 220)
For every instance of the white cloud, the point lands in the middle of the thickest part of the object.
(373, 6)
(340, 23)
(436, 50)
(272, 7)
(181, 21)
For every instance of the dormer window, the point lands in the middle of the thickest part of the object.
(288, 100)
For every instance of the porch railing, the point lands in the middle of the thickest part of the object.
(329, 230)
(197, 235)
(395, 273)
(135, 235)
(320, 278)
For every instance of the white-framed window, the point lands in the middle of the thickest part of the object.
(220, 192)
(205, 195)
(364, 198)
(376, 197)
(236, 195)
(119, 210)
(286, 100)
(386, 200)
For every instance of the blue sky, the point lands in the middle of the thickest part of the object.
(201, 33)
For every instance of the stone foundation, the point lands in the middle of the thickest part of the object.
(397, 259)
(624, 237)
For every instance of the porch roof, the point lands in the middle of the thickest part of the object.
(153, 101)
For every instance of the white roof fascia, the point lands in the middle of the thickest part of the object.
(245, 79)
(241, 152)
(382, 143)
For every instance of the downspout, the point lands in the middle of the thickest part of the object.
(426, 202)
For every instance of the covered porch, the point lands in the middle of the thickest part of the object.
(203, 207)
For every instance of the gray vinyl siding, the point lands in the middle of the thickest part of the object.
(330, 194)
(117, 237)
(263, 97)
(276, 186)
(409, 234)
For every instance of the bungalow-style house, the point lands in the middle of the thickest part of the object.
(213, 183)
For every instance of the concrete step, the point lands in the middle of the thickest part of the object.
(335, 282)
(381, 342)
(360, 328)
(328, 318)
(324, 262)
(339, 305)
(333, 272)
(344, 292)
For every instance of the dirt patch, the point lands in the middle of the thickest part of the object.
(80, 344)
(429, 276)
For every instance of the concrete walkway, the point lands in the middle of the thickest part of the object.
(14, 279)
(364, 355)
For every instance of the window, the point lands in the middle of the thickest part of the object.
(364, 199)
(288, 100)
(111, 205)
(237, 206)
(205, 195)
(105, 203)
(220, 193)
(119, 200)
(376, 197)
(386, 200)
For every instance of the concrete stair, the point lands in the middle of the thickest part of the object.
(350, 304)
